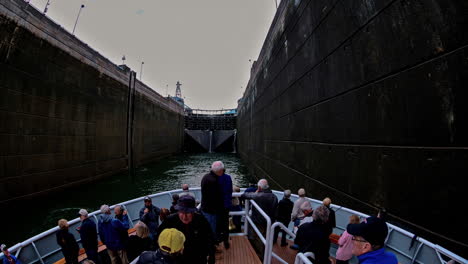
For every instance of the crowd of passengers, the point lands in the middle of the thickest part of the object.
(189, 232)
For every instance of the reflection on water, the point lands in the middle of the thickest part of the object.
(27, 218)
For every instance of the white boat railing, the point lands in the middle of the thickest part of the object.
(43, 248)
(303, 258)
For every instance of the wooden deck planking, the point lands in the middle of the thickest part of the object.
(240, 252)
(287, 254)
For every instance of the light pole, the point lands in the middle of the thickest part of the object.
(78, 16)
(46, 6)
(141, 69)
(123, 60)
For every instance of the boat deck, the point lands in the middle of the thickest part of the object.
(241, 251)
(285, 253)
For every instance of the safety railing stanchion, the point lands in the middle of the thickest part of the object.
(246, 222)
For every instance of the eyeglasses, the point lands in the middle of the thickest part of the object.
(359, 240)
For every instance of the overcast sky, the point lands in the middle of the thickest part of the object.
(204, 44)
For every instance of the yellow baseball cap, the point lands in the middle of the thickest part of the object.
(171, 240)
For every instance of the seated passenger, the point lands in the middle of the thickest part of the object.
(171, 245)
(199, 245)
(312, 237)
(139, 242)
(185, 191)
(368, 241)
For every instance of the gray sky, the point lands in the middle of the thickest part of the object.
(204, 44)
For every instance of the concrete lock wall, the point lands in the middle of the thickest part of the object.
(64, 109)
(364, 101)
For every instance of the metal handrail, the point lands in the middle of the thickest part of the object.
(437, 248)
(270, 242)
(16, 249)
(303, 258)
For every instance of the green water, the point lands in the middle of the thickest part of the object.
(22, 220)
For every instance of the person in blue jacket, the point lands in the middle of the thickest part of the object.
(225, 184)
(113, 233)
(369, 240)
(8, 258)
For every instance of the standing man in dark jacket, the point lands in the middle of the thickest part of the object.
(268, 202)
(67, 242)
(225, 184)
(283, 216)
(199, 244)
(88, 236)
(149, 215)
(265, 199)
(212, 196)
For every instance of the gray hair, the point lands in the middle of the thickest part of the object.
(105, 209)
(217, 166)
(287, 193)
(321, 214)
(263, 184)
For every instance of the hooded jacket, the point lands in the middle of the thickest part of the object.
(112, 230)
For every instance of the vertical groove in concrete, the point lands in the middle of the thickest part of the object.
(64, 110)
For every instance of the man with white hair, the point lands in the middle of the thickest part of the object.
(266, 199)
(88, 236)
(212, 196)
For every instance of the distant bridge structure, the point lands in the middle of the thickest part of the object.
(210, 130)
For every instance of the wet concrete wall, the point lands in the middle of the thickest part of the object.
(65, 110)
(364, 101)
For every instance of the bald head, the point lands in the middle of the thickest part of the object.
(185, 187)
(327, 201)
(262, 184)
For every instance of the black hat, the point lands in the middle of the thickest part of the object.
(186, 204)
(374, 230)
(147, 198)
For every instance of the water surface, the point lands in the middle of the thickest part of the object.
(24, 219)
